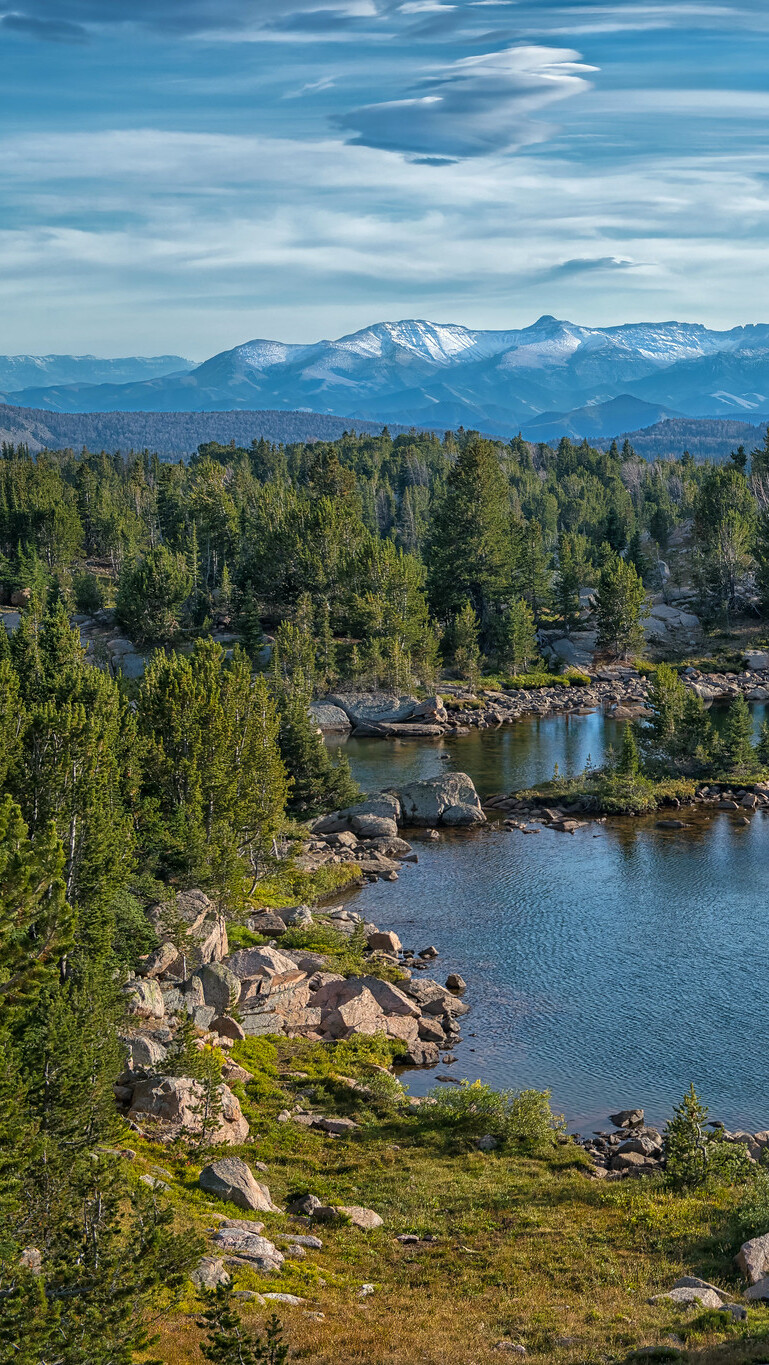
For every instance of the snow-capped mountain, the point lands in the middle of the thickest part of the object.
(444, 374)
(26, 371)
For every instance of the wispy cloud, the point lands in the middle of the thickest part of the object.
(475, 106)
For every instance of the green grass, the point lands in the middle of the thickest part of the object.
(293, 886)
(526, 1248)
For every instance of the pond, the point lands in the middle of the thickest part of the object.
(613, 966)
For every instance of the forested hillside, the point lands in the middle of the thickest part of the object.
(126, 805)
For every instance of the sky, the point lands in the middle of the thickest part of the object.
(181, 176)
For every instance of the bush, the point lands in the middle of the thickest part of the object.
(694, 1156)
(89, 593)
(521, 1118)
(238, 936)
(572, 677)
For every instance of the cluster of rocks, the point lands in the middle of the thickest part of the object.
(240, 1242)
(636, 1150)
(260, 990)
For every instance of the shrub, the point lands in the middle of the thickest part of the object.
(238, 936)
(694, 1156)
(521, 1118)
(89, 593)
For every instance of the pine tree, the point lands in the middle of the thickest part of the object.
(620, 606)
(762, 748)
(628, 763)
(737, 736)
(666, 701)
(35, 921)
(532, 575)
(685, 1142)
(317, 782)
(230, 1343)
(515, 643)
(470, 552)
(568, 580)
(465, 650)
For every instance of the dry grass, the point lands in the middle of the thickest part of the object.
(527, 1250)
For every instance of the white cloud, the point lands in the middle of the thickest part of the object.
(474, 106)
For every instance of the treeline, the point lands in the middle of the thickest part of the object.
(395, 555)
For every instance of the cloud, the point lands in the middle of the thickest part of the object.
(589, 265)
(47, 30)
(71, 20)
(473, 107)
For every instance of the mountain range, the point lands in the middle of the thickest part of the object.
(551, 378)
(18, 372)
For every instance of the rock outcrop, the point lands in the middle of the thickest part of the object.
(232, 1179)
(164, 1107)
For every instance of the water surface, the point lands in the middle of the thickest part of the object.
(613, 966)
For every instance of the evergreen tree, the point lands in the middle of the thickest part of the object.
(620, 605)
(469, 557)
(569, 576)
(737, 737)
(228, 1342)
(465, 650)
(666, 701)
(515, 637)
(628, 763)
(317, 782)
(762, 748)
(151, 595)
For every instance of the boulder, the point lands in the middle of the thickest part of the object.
(221, 986)
(757, 660)
(231, 1179)
(450, 799)
(209, 1272)
(267, 924)
(170, 1106)
(758, 1292)
(259, 962)
(455, 982)
(205, 928)
(375, 818)
(753, 1258)
(384, 942)
(145, 1052)
(694, 1282)
(145, 999)
(250, 1246)
(703, 1298)
(373, 708)
(366, 1219)
(330, 719)
(227, 1027)
(627, 1118)
(431, 709)
(158, 962)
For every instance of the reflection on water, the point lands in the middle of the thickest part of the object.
(614, 965)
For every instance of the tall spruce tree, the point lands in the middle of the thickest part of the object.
(620, 606)
(470, 555)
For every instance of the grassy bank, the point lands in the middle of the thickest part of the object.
(517, 1246)
(602, 793)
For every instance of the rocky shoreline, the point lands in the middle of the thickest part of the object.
(621, 692)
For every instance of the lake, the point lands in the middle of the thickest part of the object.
(613, 966)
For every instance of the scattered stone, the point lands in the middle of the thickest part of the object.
(221, 987)
(487, 1143)
(366, 1219)
(292, 1299)
(312, 1243)
(512, 1347)
(209, 1272)
(366, 1290)
(338, 1127)
(258, 1251)
(157, 962)
(753, 1258)
(407, 1238)
(428, 952)
(232, 1180)
(706, 1298)
(627, 1118)
(228, 1028)
(736, 1312)
(31, 1259)
(306, 1205)
(455, 982)
(758, 1291)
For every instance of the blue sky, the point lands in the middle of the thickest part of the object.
(216, 170)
